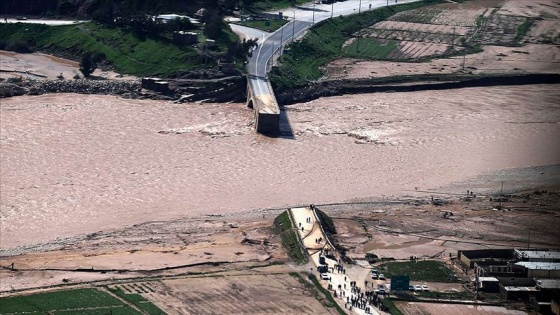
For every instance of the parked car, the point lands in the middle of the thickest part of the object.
(381, 276)
(425, 288)
(411, 288)
(325, 276)
(417, 287)
(21, 18)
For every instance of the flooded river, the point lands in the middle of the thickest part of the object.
(75, 164)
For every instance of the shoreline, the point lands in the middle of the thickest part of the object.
(522, 177)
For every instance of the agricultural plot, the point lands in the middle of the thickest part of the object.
(449, 28)
(82, 301)
(500, 29)
(441, 15)
(545, 32)
(238, 294)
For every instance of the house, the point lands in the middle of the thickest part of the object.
(538, 269)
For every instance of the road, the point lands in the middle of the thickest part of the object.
(301, 18)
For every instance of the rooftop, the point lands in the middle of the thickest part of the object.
(548, 283)
(538, 254)
(539, 265)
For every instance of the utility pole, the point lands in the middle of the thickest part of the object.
(360, 7)
(387, 3)
(281, 35)
(294, 27)
(464, 57)
(332, 8)
(501, 196)
(453, 39)
(313, 12)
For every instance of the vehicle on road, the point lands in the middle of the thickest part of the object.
(417, 287)
(325, 276)
(425, 288)
(411, 288)
(381, 276)
(21, 18)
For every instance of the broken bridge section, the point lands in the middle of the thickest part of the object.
(261, 98)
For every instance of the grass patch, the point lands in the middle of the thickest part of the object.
(128, 52)
(522, 29)
(366, 47)
(81, 301)
(303, 60)
(393, 310)
(139, 301)
(427, 270)
(267, 25)
(290, 241)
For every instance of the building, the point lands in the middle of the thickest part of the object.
(495, 256)
(185, 38)
(537, 255)
(555, 303)
(488, 284)
(517, 289)
(546, 270)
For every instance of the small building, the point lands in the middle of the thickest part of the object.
(537, 255)
(155, 84)
(227, 66)
(164, 18)
(185, 38)
(488, 284)
(545, 270)
(555, 303)
(517, 289)
(469, 257)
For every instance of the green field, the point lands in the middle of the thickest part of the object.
(370, 47)
(128, 52)
(81, 301)
(427, 270)
(139, 301)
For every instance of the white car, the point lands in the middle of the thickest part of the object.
(418, 288)
(325, 276)
(425, 288)
(381, 276)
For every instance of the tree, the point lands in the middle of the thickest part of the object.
(214, 24)
(88, 64)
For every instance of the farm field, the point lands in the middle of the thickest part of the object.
(237, 294)
(489, 37)
(450, 28)
(415, 308)
(80, 301)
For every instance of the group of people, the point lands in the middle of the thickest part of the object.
(363, 300)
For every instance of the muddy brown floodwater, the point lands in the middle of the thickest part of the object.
(75, 164)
